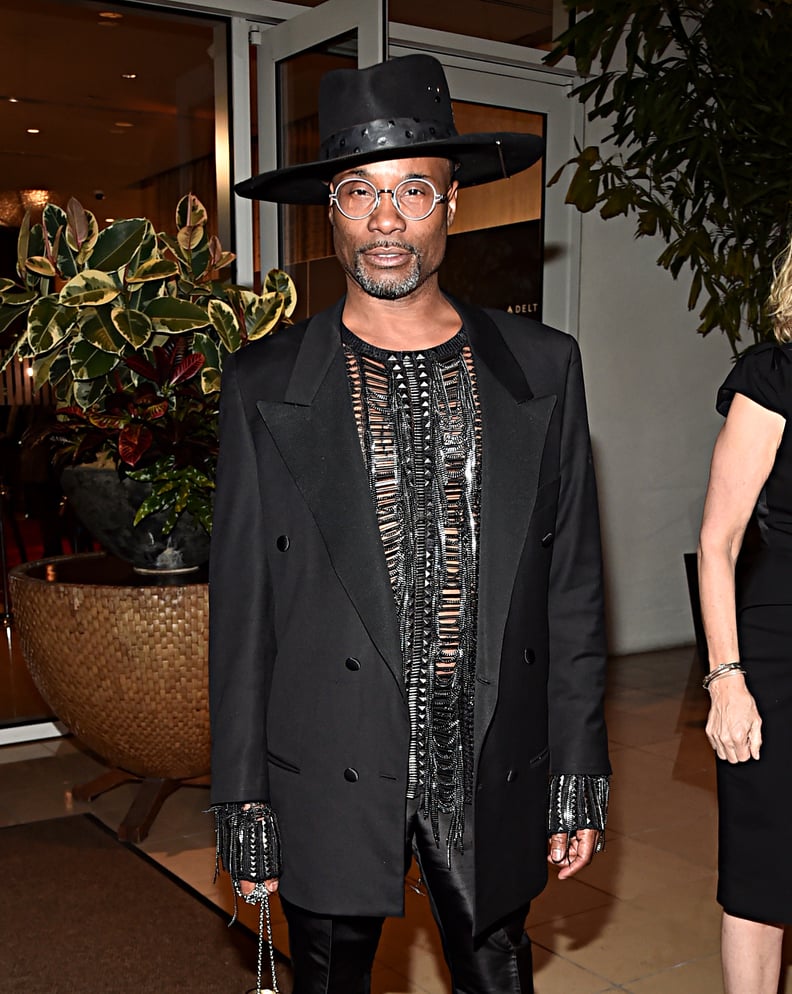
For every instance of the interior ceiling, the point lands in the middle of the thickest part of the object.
(63, 67)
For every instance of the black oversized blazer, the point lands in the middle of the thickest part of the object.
(307, 695)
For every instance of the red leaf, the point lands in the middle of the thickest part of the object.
(187, 368)
(142, 367)
(164, 364)
(133, 442)
(111, 421)
(151, 412)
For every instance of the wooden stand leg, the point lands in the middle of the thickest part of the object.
(151, 795)
(144, 809)
(113, 778)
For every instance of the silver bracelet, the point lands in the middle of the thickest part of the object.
(722, 670)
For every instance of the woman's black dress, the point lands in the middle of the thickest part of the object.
(755, 797)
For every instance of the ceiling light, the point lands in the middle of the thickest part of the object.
(128, 75)
(13, 100)
(34, 131)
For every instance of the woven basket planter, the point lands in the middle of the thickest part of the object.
(123, 667)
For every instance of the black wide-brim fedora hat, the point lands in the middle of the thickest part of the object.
(393, 110)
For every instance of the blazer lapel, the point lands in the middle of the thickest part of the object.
(315, 431)
(514, 427)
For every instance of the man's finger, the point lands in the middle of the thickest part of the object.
(558, 847)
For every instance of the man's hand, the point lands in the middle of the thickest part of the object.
(246, 886)
(571, 853)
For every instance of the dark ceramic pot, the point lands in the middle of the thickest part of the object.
(106, 505)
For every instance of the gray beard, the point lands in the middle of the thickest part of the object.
(384, 287)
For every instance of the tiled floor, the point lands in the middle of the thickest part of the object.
(641, 919)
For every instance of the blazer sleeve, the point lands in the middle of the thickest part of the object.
(578, 739)
(241, 634)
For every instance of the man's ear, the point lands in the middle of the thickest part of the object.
(451, 206)
(330, 207)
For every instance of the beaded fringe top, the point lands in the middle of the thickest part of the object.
(420, 432)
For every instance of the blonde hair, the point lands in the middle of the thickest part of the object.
(780, 300)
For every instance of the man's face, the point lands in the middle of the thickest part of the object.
(387, 256)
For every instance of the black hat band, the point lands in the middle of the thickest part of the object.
(394, 132)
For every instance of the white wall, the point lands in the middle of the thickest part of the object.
(651, 382)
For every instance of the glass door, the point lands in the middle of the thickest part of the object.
(291, 58)
(514, 244)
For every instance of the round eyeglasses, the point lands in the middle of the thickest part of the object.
(414, 199)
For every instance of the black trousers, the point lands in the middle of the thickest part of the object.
(334, 955)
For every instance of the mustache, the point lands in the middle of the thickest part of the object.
(388, 243)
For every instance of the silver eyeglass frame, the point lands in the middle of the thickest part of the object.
(439, 198)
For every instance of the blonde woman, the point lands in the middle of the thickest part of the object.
(749, 638)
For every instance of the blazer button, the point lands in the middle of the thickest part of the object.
(529, 656)
(547, 540)
(511, 776)
(352, 664)
(350, 775)
(282, 543)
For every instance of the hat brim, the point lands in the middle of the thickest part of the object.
(481, 158)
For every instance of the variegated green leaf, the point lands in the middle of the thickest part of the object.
(209, 348)
(169, 315)
(91, 287)
(60, 370)
(169, 242)
(88, 362)
(23, 244)
(225, 324)
(18, 298)
(97, 327)
(264, 315)
(133, 325)
(190, 238)
(43, 369)
(48, 324)
(117, 244)
(190, 211)
(41, 266)
(210, 380)
(54, 222)
(276, 281)
(85, 393)
(151, 505)
(153, 269)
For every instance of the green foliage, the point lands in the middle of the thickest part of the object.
(699, 120)
(130, 329)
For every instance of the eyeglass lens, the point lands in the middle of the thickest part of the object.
(414, 199)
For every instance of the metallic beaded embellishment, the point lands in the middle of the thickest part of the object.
(420, 432)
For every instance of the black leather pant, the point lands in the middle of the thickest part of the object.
(335, 955)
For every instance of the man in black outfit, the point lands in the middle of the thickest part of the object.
(407, 650)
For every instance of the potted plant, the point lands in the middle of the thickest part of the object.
(130, 328)
(695, 94)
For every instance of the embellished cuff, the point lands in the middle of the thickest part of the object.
(247, 842)
(578, 800)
